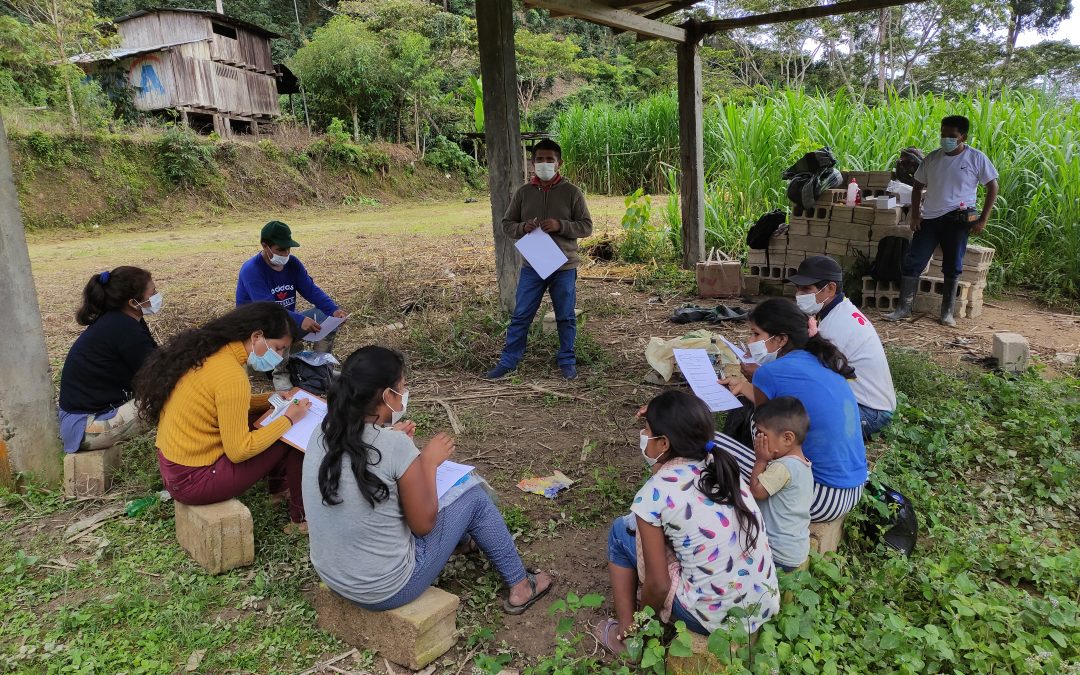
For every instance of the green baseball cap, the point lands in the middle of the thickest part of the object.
(278, 234)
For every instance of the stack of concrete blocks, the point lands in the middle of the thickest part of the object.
(844, 233)
(976, 266)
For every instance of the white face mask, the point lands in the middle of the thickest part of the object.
(396, 415)
(545, 170)
(279, 260)
(156, 301)
(760, 352)
(808, 303)
(644, 442)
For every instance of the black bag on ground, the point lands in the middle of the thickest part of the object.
(888, 264)
(738, 424)
(900, 528)
(312, 379)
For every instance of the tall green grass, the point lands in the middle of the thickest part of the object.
(1033, 140)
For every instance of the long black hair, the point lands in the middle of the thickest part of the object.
(157, 378)
(351, 401)
(108, 291)
(780, 316)
(686, 422)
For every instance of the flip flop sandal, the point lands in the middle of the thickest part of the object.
(520, 609)
(602, 633)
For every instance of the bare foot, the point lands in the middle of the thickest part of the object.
(522, 592)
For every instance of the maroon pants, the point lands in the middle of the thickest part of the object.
(280, 464)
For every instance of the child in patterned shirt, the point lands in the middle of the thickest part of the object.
(698, 530)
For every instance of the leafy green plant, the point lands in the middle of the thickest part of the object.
(338, 151)
(641, 240)
(185, 160)
(448, 157)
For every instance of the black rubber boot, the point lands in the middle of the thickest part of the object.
(908, 286)
(948, 301)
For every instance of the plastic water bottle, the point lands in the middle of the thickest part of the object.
(852, 193)
(137, 506)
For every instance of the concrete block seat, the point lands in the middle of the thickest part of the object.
(220, 536)
(412, 635)
(90, 473)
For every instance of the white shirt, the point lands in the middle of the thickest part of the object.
(853, 334)
(952, 181)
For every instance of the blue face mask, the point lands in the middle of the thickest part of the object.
(265, 363)
(949, 144)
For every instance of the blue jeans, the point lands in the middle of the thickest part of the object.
(561, 285)
(948, 232)
(473, 514)
(873, 421)
(622, 552)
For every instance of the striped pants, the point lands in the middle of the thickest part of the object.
(829, 503)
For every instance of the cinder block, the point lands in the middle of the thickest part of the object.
(755, 257)
(872, 285)
(778, 245)
(1011, 352)
(412, 635)
(219, 537)
(818, 229)
(702, 660)
(752, 284)
(878, 179)
(820, 213)
(863, 214)
(879, 232)
(832, 197)
(551, 326)
(885, 302)
(842, 213)
(837, 247)
(799, 243)
(887, 216)
(90, 473)
(851, 231)
(935, 286)
(798, 226)
(825, 537)
(797, 211)
(930, 303)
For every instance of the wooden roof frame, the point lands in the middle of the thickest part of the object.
(619, 15)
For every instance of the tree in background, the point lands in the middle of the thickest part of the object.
(1041, 16)
(541, 59)
(62, 28)
(345, 70)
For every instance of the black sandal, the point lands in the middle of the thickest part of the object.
(520, 609)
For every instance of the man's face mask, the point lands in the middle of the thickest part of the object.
(545, 171)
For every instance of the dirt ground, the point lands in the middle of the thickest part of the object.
(423, 265)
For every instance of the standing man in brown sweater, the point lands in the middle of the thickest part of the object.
(557, 207)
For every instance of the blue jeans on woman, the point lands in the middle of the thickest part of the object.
(472, 514)
(946, 231)
(873, 421)
(622, 552)
(562, 286)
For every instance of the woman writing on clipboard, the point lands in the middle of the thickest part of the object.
(196, 389)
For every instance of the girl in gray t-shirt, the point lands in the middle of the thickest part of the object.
(378, 537)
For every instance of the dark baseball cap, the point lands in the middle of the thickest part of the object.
(278, 234)
(817, 268)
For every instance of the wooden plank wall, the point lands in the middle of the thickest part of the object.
(163, 28)
(152, 79)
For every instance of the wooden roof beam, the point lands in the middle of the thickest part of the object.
(803, 14)
(671, 8)
(613, 18)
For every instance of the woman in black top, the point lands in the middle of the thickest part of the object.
(96, 402)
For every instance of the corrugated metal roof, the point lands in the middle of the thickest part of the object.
(122, 52)
(224, 18)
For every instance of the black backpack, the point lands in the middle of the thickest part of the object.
(889, 262)
(759, 234)
(312, 379)
(811, 176)
(892, 519)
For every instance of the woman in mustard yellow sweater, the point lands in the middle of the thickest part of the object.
(197, 390)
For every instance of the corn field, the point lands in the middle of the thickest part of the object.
(1033, 140)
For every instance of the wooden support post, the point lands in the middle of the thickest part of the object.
(502, 132)
(29, 433)
(691, 152)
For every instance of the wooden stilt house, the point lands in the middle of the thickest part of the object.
(215, 70)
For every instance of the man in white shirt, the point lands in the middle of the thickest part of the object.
(819, 292)
(946, 215)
